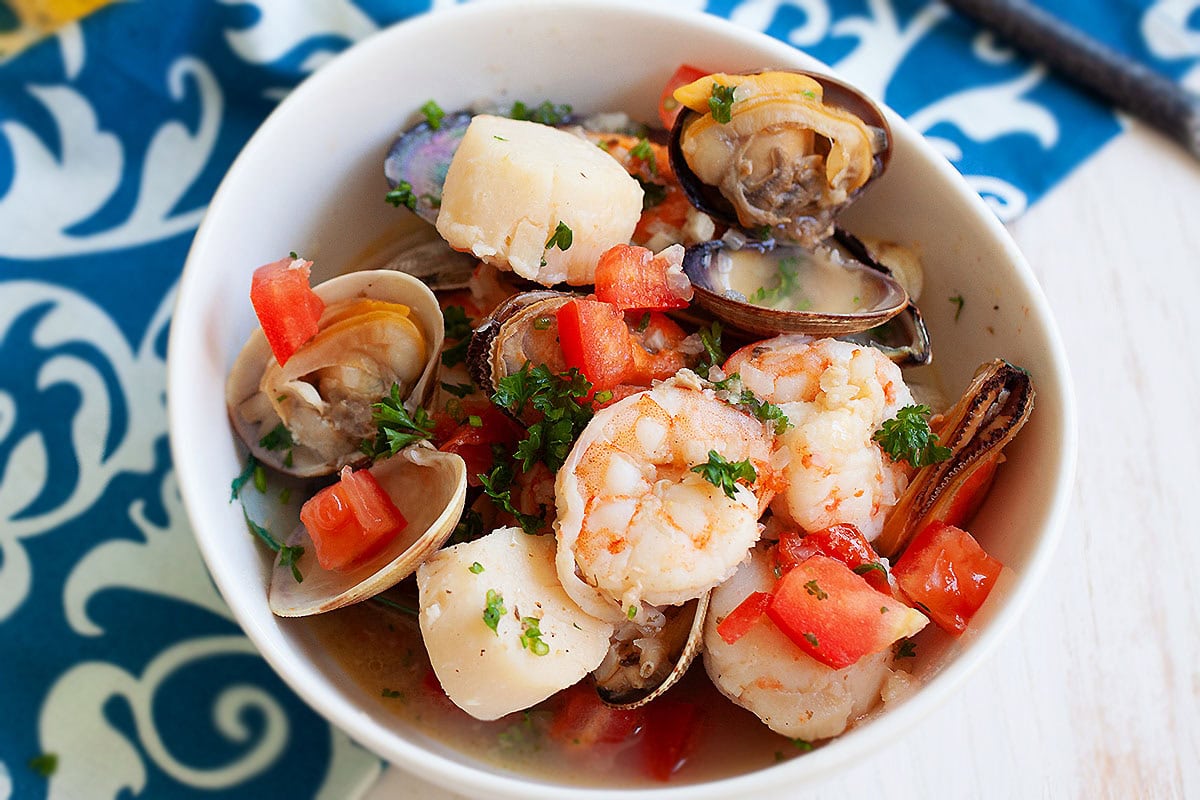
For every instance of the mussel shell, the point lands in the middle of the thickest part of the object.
(243, 385)
(977, 429)
(421, 155)
(701, 266)
(429, 487)
(838, 94)
(505, 340)
(619, 690)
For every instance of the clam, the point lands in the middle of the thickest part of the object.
(646, 659)
(768, 288)
(429, 487)
(420, 157)
(795, 149)
(523, 329)
(310, 416)
(424, 254)
(976, 429)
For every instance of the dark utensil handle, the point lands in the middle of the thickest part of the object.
(1076, 56)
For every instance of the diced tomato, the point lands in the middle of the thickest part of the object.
(584, 721)
(843, 542)
(661, 334)
(474, 443)
(744, 617)
(946, 571)
(668, 106)
(835, 616)
(669, 737)
(351, 520)
(288, 309)
(632, 277)
(596, 341)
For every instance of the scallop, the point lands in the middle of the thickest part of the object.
(501, 633)
(310, 416)
(536, 200)
(430, 489)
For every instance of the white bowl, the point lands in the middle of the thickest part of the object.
(311, 180)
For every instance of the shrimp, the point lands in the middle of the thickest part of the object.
(836, 395)
(766, 673)
(635, 523)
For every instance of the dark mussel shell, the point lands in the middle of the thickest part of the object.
(808, 227)
(420, 157)
(710, 266)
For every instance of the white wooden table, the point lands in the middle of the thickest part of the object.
(1096, 694)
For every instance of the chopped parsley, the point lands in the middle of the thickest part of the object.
(603, 397)
(789, 279)
(959, 301)
(767, 412)
(653, 194)
(713, 356)
(433, 114)
(288, 556)
(907, 437)
(44, 765)
(285, 495)
(392, 604)
(803, 745)
(643, 323)
(396, 428)
(543, 323)
(292, 255)
(721, 103)
(476, 568)
(547, 113)
(561, 400)
(631, 612)
(458, 389)
(863, 569)
(814, 588)
(645, 153)
(262, 533)
(468, 529)
(458, 327)
(278, 438)
(561, 238)
(475, 421)
(907, 649)
(725, 474)
(235, 488)
(811, 638)
(402, 195)
(260, 479)
(531, 636)
(494, 610)
(498, 486)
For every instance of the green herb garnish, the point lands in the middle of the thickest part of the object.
(458, 327)
(643, 151)
(498, 486)
(561, 400)
(812, 639)
(402, 195)
(721, 103)
(907, 437)
(802, 745)
(814, 588)
(278, 438)
(476, 568)
(392, 694)
(531, 636)
(262, 533)
(643, 323)
(494, 610)
(468, 529)
(767, 412)
(863, 569)
(725, 474)
(958, 300)
(235, 488)
(433, 114)
(458, 389)
(288, 556)
(396, 428)
(907, 649)
(260, 479)
(392, 604)
(631, 612)
(547, 113)
(561, 238)
(713, 356)
(653, 194)
(789, 278)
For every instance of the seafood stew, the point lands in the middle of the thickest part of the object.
(597, 492)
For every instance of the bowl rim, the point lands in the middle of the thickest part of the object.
(302, 676)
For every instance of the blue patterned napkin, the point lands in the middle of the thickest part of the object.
(121, 670)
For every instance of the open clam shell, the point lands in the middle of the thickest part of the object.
(977, 429)
(797, 148)
(420, 157)
(642, 664)
(323, 395)
(430, 489)
(769, 288)
(523, 329)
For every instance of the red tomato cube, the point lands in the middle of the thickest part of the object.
(668, 106)
(632, 277)
(945, 571)
(595, 341)
(843, 542)
(288, 309)
(835, 616)
(670, 736)
(744, 617)
(583, 721)
(351, 520)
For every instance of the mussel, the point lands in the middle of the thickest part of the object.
(977, 429)
(779, 151)
(310, 416)
(418, 160)
(765, 287)
(429, 486)
(647, 658)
